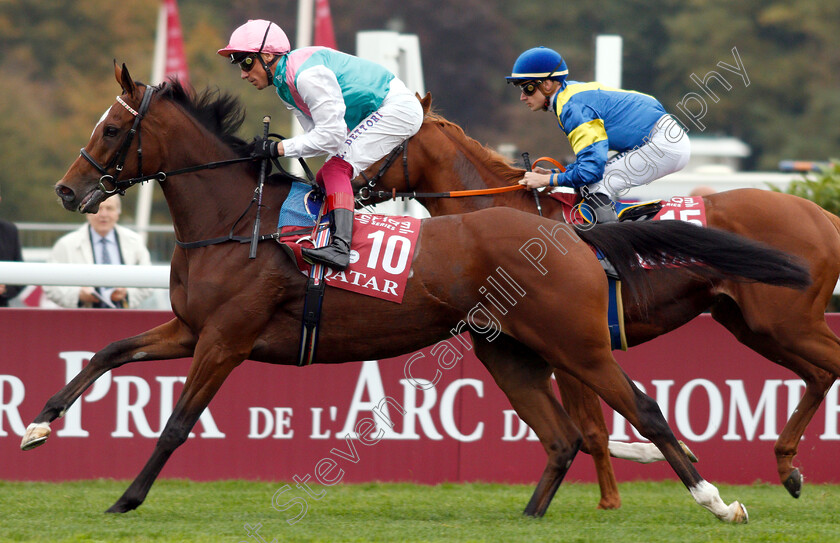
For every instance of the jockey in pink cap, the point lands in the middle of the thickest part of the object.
(351, 109)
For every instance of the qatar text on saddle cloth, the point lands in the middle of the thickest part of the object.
(380, 255)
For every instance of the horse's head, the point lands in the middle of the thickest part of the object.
(114, 146)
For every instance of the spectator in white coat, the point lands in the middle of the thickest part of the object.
(101, 241)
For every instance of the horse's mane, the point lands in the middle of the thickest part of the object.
(221, 113)
(495, 162)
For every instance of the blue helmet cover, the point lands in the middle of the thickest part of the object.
(538, 63)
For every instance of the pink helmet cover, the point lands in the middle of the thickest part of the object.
(248, 38)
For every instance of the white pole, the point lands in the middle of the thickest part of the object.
(144, 194)
(305, 24)
(159, 60)
(99, 275)
(608, 60)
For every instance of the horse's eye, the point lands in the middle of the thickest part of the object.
(111, 131)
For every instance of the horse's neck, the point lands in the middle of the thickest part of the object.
(203, 203)
(454, 164)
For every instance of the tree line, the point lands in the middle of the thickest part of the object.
(57, 65)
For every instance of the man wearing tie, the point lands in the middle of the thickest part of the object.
(101, 241)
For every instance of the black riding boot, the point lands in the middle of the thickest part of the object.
(336, 255)
(602, 207)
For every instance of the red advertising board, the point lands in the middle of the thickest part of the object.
(279, 423)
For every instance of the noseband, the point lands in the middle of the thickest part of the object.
(118, 160)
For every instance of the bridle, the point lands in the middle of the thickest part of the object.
(366, 191)
(117, 162)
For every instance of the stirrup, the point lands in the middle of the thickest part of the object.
(322, 255)
(605, 214)
(601, 206)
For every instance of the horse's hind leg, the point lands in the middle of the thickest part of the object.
(213, 362)
(164, 342)
(815, 341)
(525, 379)
(817, 383)
(584, 408)
(596, 367)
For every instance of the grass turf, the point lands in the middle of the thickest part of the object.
(178, 511)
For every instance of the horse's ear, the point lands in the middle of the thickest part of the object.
(425, 101)
(124, 78)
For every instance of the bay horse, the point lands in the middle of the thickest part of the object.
(786, 327)
(229, 308)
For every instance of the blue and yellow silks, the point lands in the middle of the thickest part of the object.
(599, 119)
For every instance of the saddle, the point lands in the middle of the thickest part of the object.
(575, 212)
(684, 208)
(381, 255)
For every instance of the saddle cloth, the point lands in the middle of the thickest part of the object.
(683, 208)
(381, 252)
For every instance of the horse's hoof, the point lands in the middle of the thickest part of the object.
(35, 435)
(533, 511)
(610, 502)
(793, 483)
(121, 507)
(739, 513)
(687, 451)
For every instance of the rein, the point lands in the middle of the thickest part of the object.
(366, 192)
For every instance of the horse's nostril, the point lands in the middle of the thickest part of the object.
(64, 192)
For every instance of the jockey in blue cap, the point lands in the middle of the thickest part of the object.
(597, 119)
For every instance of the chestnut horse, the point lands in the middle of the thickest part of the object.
(228, 307)
(786, 327)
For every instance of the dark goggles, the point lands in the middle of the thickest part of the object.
(246, 61)
(528, 88)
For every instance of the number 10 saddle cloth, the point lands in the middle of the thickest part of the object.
(380, 255)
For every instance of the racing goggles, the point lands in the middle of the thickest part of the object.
(528, 88)
(246, 61)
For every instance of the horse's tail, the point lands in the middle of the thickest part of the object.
(707, 252)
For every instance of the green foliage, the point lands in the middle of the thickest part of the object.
(822, 188)
(55, 71)
(181, 511)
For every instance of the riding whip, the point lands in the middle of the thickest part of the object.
(255, 236)
(526, 158)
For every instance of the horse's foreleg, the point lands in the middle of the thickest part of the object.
(815, 342)
(211, 366)
(170, 340)
(584, 408)
(525, 379)
(599, 370)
